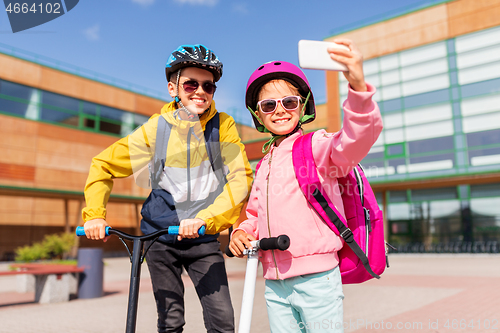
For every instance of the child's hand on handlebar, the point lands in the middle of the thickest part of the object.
(96, 229)
(239, 242)
(189, 228)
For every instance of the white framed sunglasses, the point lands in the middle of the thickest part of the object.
(270, 105)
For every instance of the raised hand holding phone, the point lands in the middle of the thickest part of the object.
(315, 55)
(352, 59)
(339, 55)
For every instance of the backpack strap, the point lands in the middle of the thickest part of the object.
(307, 176)
(257, 167)
(212, 142)
(162, 136)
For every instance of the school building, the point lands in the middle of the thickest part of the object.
(435, 168)
(436, 165)
(53, 120)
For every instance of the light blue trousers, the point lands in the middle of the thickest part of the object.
(306, 303)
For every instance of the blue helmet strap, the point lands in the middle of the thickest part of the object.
(178, 100)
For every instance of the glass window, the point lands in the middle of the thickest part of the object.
(485, 206)
(426, 69)
(431, 130)
(390, 77)
(389, 62)
(373, 156)
(427, 84)
(477, 40)
(140, 120)
(482, 56)
(442, 193)
(391, 105)
(396, 163)
(482, 104)
(16, 90)
(380, 141)
(344, 89)
(109, 127)
(370, 66)
(343, 98)
(429, 145)
(111, 113)
(452, 62)
(12, 107)
(378, 149)
(372, 164)
(128, 124)
(423, 54)
(433, 97)
(394, 135)
(377, 169)
(67, 118)
(59, 101)
(371, 79)
(399, 211)
(398, 196)
(89, 108)
(444, 208)
(487, 156)
(485, 190)
(479, 73)
(479, 88)
(433, 158)
(391, 92)
(426, 166)
(400, 227)
(397, 149)
(481, 123)
(483, 138)
(393, 120)
(427, 114)
(89, 123)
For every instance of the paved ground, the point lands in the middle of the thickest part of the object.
(418, 293)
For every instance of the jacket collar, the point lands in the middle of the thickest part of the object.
(183, 126)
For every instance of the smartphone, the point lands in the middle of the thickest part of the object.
(314, 55)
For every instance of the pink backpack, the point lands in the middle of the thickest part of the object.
(365, 256)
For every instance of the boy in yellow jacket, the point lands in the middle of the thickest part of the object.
(198, 182)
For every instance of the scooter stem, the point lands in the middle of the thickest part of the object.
(248, 292)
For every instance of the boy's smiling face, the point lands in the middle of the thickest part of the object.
(281, 121)
(198, 101)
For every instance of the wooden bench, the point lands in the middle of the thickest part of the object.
(51, 282)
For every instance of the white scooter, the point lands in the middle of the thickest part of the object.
(272, 243)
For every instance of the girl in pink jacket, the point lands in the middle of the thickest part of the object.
(303, 284)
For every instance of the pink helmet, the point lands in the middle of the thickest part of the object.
(278, 70)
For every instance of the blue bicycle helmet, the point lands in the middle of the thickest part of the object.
(193, 56)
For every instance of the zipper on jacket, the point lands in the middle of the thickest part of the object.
(188, 199)
(267, 207)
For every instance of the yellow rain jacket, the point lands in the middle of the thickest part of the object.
(132, 155)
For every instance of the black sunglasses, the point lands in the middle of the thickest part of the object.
(191, 86)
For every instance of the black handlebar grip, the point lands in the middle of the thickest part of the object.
(228, 252)
(281, 242)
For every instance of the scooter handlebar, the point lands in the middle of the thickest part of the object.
(281, 242)
(173, 230)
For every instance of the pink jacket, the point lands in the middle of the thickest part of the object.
(277, 205)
